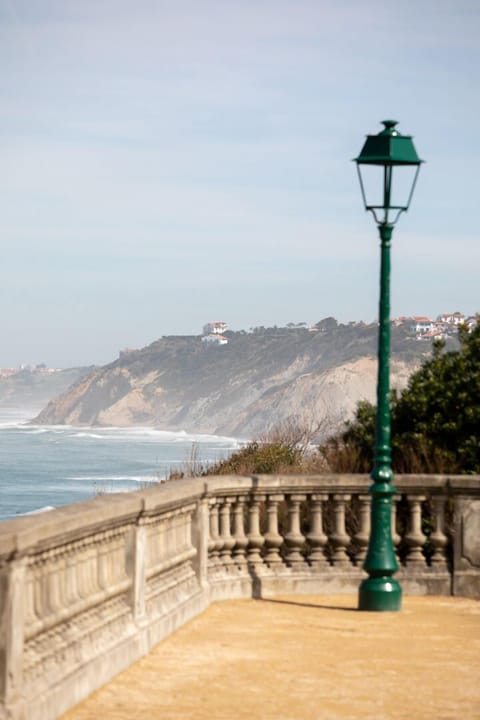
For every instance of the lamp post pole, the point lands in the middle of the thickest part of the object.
(380, 591)
(388, 151)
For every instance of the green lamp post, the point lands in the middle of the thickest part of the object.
(385, 159)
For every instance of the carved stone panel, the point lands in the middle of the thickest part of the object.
(471, 533)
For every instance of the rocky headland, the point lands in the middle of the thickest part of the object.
(257, 380)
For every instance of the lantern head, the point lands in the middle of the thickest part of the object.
(382, 192)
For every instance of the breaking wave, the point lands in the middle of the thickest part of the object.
(114, 478)
(46, 466)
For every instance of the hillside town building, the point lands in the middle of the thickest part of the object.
(213, 333)
(215, 339)
(456, 318)
(446, 325)
(217, 327)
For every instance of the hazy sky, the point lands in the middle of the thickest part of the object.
(164, 163)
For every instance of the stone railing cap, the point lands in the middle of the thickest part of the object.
(173, 492)
(469, 483)
(22, 533)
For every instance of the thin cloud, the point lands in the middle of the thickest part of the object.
(212, 141)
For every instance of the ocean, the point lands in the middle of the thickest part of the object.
(45, 466)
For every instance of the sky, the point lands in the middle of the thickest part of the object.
(165, 163)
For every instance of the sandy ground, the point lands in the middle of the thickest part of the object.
(306, 658)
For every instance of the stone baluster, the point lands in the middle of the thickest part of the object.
(294, 539)
(55, 571)
(71, 579)
(162, 547)
(81, 569)
(316, 538)
(415, 538)
(112, 557)
(438, 537)
(95, 549)
(165, 538)
(105, 562)
(228, 541)
(177, 529)
(30, 615)
(92, 570)
(241, 540)
(103, 570)
(63, 577)
(273, 539)
(213, 554)
(173, 538)
(179, 532)
(120, 561)
(339, 538)
(186, 532)
(363, 535)
(219, 540)
(38, 570)
(45, 578)
(200, 539)
(150, 545)
(255, 538)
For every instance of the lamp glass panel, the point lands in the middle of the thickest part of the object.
(403, 177)
(372, 177)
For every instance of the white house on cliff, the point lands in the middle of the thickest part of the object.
(213, 333)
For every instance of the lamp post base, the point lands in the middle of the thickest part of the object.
(380, 593)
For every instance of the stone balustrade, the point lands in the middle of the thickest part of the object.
(87, 589)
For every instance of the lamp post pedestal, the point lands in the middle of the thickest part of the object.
(380, 591)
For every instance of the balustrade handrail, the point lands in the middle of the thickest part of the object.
(20, 535)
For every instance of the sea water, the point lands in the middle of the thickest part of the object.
(45, 466)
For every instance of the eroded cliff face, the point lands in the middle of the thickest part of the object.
(239, 389)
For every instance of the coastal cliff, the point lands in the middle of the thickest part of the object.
(241, 388)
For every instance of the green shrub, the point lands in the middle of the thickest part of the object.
(435, 420)
(259, 458)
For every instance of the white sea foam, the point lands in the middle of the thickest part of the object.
(43, 466)
(116, 433)
(10, 425)
(46, 508)
(113, 478)
(146, 434)
(32, 429)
